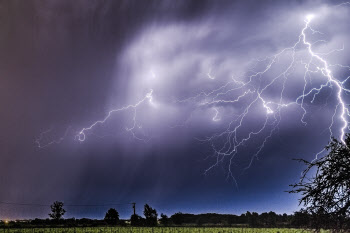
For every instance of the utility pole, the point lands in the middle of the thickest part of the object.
(134, 207)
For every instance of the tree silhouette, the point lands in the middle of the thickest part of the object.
(178, 218)
(301, 219)
(112, 216)
(252, 218)
(150, 215)
(326, 194)
(136, 220)
(57, 211)
(164, 220)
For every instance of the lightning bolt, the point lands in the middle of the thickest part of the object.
(42, 141)
(328, 73)
(216, 118)
(209, 75)
(253, 94)
(81, 136)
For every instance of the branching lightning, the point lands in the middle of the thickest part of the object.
(253, 94)
(81, 136)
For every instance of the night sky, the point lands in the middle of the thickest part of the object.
(206, 108)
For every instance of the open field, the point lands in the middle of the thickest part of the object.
(155, 230)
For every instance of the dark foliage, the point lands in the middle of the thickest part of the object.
(252, 219)
(178, 218)
(112, 217)
(164, 220)
(150, 215)
(57, 211)
(270, 219)
(326, 194)
(136, 220)
(301, 219)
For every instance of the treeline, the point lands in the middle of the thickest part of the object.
(299, 219)
(150, 218)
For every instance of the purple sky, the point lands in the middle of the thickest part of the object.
(202, 105)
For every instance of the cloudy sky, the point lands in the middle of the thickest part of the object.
(191, 106)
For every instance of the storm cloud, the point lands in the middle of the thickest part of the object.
(66, 64)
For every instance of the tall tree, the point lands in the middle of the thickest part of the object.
(112, 216)
(57, 211)
(326, 191)
(150, 215)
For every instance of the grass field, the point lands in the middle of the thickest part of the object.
(155, 230)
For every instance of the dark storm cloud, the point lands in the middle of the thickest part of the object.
(66, 63)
